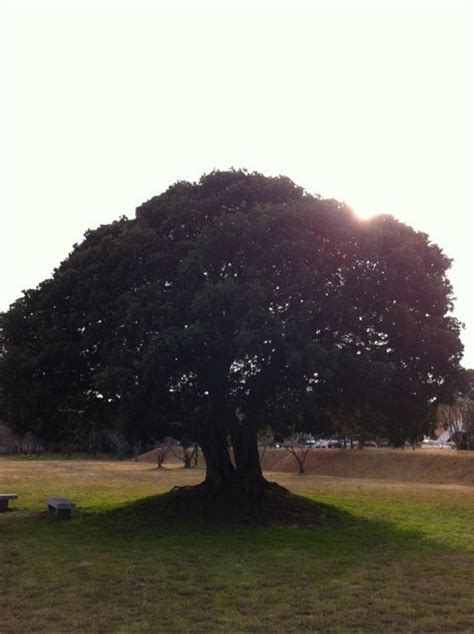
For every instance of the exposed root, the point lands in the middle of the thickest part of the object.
(183, 487)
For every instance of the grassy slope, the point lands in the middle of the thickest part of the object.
(430, 466)
(406, 564)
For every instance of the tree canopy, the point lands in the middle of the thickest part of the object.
(236, 302)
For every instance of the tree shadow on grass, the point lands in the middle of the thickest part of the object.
(195, 505)
(186, 513)
(182, 518)
(143, 553)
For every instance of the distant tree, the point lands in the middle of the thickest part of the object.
(196, 454)
(469, 425)
(467, 384)
(161, 451)
(94, 441)
(299, 448)
(346, 424)
(119, 443)
(227, 305)
(458, 419)
(188, 454)
(264, 441)
(28, 444)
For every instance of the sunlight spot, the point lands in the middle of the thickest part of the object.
(365, 213)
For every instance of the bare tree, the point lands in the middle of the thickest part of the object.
(299, 449)
(162, 450)
(264, 440)
(28, 445)
(119, 443)
(453, 418)
(187, 455)
(94, 441)
(196, 454)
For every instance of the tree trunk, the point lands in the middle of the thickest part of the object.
(241, 480)
(245, 478)
(219, 469)
(247, 459)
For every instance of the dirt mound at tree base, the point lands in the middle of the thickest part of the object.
(424, 466)
(275, 506)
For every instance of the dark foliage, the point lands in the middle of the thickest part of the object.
(229, 304)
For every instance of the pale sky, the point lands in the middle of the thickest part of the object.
(107, 104)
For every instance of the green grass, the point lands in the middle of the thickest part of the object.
(406, 562)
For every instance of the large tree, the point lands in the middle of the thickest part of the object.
(229, 304)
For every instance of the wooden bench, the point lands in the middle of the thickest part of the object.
(61, 506)
(4, 498)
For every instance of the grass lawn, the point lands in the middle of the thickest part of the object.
(406, 562)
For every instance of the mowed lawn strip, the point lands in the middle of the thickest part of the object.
(405, 564)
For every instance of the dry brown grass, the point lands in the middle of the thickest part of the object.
(431, 467)
(424, 466)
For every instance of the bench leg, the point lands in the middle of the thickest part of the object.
(63, 513)
(3, 506)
